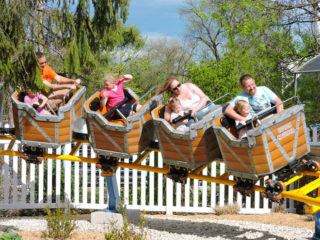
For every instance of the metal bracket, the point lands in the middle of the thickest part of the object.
(33, 154)
(108, 164)
(178, 174)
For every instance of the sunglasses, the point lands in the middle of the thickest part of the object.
(42, 63)
(176, 88)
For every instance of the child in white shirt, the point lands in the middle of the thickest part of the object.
(242, 107)
(175, 106)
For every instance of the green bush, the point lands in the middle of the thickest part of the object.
(60, 223)
(126, 232)
(10, 236)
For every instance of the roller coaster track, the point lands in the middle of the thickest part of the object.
(301, 194)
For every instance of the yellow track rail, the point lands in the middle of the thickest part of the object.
(299, 194)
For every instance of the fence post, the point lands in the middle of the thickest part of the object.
(67, 176)
(169, 197)
(160, 180)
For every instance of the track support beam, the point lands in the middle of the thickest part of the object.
(113, 192)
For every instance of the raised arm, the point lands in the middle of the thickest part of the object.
(126, 78)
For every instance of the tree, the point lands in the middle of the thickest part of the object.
(151, 65)
(203, 30)
(297, 12)
(245, 37)
(78, 35)
(308, 92)
(165, 57)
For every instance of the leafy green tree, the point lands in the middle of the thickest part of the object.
(215, 78)
(76, 36)
(159, 59)
(308, 92)
(77, 30)
(152, 64)
(245, 37)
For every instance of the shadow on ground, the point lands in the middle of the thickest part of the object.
(207, 229)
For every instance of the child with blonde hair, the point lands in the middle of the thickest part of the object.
(174, 105)
(242, 107)
(113, 93)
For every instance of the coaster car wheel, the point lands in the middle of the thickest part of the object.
(244, 186)
(264, 195)
(315, 166)
(178, 174)
(273, 190)
(310, 165)
(40, 159)
(247, 192)
(281, 186)
(108, 165)
(277, 198)
(33, 154)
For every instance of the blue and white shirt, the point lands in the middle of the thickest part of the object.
(258, 102)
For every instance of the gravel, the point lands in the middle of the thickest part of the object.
(176, 229)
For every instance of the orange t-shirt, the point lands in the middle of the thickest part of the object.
(48, 74)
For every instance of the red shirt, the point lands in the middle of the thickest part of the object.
(114, 96)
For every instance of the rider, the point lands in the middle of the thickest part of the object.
(191, 98)
(113, 93)
(259, 98)
(57, 91)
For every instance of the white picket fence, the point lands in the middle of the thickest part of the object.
(314, 136)
(58, 183)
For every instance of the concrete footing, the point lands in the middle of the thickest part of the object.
(110, 218)
(115, 219)
(133, 216)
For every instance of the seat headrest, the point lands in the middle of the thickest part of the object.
(127, 94)
(161, 112)
(224, 107)
(227, 122)
(94, 104)
(21, 96)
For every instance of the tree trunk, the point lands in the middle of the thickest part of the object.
(39, 15)
(8, 107)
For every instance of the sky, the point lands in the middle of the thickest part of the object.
(157, 18)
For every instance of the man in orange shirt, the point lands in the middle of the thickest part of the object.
(59, 90)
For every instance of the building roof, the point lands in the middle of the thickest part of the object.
(313, 65)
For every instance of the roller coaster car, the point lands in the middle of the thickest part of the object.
(273, 147)
(192, 149)
(47, 131)
(124, 137)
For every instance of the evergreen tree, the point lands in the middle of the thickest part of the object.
(77, 32)
(76, 36)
